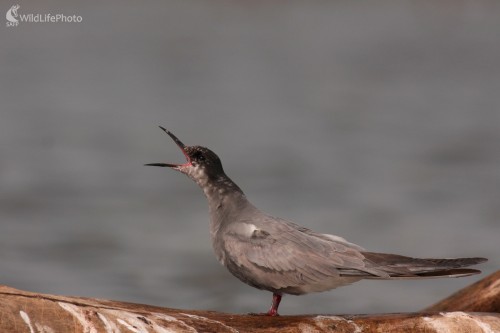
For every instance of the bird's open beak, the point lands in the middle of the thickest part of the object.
(181, 146)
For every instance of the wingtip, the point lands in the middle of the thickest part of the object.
(454, 272)
(163, 128)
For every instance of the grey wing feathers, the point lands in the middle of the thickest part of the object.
(277, 255)
(285, 254)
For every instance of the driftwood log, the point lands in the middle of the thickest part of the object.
(473, 309)
(482, 296)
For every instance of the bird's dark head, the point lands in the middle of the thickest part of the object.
(201, 164)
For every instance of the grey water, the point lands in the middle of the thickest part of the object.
(376, 121)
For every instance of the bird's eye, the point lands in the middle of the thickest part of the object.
(199, 156)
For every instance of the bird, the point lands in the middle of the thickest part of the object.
(273, 254)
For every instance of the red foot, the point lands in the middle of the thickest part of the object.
(267, 314)
(273, 311)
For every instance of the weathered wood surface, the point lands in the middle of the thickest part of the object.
(482, 296)
(22, 311)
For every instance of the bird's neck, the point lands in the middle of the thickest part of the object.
(225, 201)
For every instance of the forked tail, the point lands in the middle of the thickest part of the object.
(397, 266)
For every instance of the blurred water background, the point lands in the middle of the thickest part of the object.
(377, 121)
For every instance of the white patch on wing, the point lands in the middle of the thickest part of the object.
(244, 229)
(249, 229)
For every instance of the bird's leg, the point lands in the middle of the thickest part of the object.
(273, 311)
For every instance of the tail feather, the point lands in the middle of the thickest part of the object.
(398, 266)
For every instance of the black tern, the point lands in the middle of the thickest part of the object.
(273, 254)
